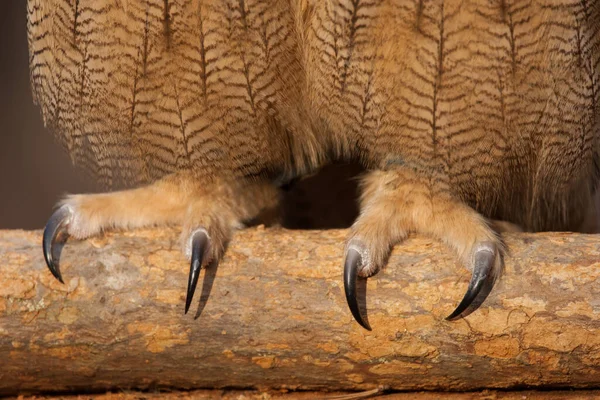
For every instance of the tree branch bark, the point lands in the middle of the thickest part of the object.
(273, 315)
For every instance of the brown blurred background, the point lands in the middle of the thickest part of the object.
(35, 172)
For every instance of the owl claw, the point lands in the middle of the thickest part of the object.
(55, 236)
(480, 285)
(351, 268)
(199, 244)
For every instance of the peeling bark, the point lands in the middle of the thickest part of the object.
(273, 315)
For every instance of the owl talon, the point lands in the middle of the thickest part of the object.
(351, 268)
(55, 236)
(480, 285)
(199, 244)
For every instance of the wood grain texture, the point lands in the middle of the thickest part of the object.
(273, 315)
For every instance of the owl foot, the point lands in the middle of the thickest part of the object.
(395, 203)
(56, 234)
(208, 219)
(83, 216)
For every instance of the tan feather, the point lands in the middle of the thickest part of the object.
(495, 101)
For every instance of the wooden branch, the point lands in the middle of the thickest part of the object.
(273, 315)
(233, 394)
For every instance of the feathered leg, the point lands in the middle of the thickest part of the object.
(395, 203)
(208, 211)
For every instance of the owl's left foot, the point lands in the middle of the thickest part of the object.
(56, 233)
(397, 202)
(209, 214)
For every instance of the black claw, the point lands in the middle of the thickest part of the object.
(55, 236)
(480, 285)
(353, 262)
(199, 242)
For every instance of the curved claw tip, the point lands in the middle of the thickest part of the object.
(54, 237)
(353, 262)
(482, 277)
(199, 243)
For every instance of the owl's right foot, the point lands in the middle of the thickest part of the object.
(208, 217)
(397, 202)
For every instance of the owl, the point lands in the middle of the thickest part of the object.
(468, 116)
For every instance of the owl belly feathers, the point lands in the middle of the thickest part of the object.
(506, 121)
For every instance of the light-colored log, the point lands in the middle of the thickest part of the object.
(273, 315)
